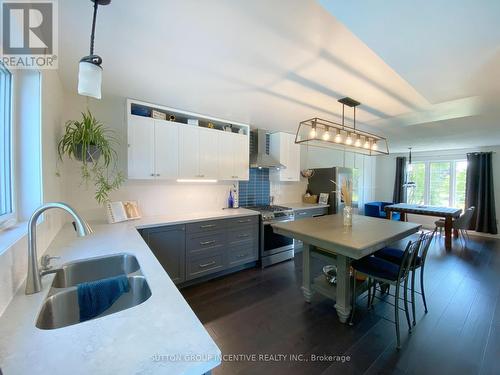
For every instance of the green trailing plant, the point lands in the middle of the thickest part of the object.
(90, 142)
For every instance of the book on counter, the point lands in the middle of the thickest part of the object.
(122, 211)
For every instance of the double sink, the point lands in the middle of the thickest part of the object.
(61, 308)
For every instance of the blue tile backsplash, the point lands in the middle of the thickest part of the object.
(256, 190)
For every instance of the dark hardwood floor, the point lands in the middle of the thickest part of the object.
(263, 312)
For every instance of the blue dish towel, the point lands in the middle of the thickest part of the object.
(97, 296)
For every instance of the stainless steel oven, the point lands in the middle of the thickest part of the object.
(274, 247)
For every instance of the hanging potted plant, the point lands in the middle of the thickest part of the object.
(91, 143)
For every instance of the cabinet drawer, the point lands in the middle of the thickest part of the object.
(302, 214)
(243, 234)
(242, 221)
(241, 255)
(199, 243)
(205, 265)
(205, 226)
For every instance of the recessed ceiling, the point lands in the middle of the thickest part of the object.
(267, 63)
(438, 46)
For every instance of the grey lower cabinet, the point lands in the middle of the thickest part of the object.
(204, 248)
(168, 244)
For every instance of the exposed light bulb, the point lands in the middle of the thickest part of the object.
(312, 133)
(348, 140)
(374, 145)
(358, 142)
(338, 137)
(326, 135)
(367, 144)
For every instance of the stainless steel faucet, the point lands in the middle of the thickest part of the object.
(33, 280)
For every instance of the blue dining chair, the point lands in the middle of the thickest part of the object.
(381, 271)
(396, 256)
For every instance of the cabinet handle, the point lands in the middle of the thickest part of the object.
(207, 243)
(158, 175)
(242, 255)
(244, 221)
(207, 264)
(152, 174)
(243, 235)
(207, 226)
(302, 213)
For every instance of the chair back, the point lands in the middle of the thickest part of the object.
(409, 255)
(463, 222)
(425, 244)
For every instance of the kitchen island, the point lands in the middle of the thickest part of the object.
(327, 235)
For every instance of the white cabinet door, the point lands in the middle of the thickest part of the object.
(225, 146)
(293, 170)
(284, 148)
(241, 161)
(208, 153)
(141, 134)
(234, 158)
(189, 152)
(166, 148)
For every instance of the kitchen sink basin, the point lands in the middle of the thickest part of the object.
(61, 307)
(74, 273)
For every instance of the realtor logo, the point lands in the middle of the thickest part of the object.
(29, 34)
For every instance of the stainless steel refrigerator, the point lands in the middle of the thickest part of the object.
(321, 182)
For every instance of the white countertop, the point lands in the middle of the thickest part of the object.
(184, 218)
(303, 206)
(127, 342)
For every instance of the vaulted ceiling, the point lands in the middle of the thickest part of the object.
(272, 63)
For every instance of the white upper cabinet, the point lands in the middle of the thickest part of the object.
(287, 152)
(166, 149)
(208, 155)
(189, 152)
(234, 156)
(152, 148)
(141, 153)
(160, 149)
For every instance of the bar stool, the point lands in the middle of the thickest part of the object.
(383, 271)
(395, 255)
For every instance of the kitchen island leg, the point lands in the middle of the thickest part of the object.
(306, 272)
(343, 300)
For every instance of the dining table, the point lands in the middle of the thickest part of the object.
(327, 238)
(447, 213)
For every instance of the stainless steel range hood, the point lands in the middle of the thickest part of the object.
(259, 153)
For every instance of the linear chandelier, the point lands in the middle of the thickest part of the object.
(320, 132)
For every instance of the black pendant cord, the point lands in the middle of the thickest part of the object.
(354, 118)
(92, 35)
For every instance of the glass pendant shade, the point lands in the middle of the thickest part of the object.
(90, 79)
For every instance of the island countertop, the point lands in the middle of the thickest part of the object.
(366, 235)
(160, 336)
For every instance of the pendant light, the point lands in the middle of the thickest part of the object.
(90, 70)
(325, 133)
(409, 184)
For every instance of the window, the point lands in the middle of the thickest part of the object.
(6, 198)
(438, 183)
(416, 174)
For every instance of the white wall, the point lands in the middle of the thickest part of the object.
(13, 258)
(386, 171)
